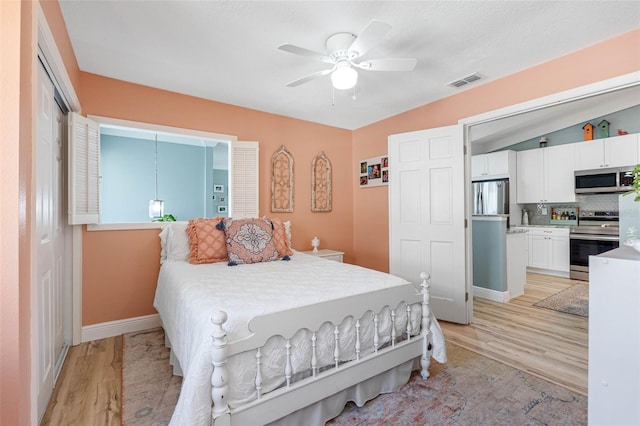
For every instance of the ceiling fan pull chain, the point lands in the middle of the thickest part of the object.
(333, 96)
(354, 97)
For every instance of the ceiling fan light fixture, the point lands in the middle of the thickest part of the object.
(344, 77)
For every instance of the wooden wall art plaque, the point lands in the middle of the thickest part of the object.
(282, 181)
(321, 183)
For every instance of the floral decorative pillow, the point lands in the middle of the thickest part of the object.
(249, 240)
(208, 244)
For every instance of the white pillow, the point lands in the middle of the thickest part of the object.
(287, 230)
(163, 243)
(178, 242)
(174, 242)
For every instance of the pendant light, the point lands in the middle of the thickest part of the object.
(156, 206)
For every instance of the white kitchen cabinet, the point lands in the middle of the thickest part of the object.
(549, 249)
(529, 176)
(559, 168)
(614, 338)
(494, 165)
(618, 151)
(545, 175)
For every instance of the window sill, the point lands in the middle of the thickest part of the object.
(125, 226)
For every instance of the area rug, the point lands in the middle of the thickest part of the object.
(150, 390)
(573, 300)
(468, 390)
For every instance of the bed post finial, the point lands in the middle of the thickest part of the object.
(219, 378)
(426, 324)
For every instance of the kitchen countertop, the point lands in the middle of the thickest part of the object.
(490, 217)
(516, 230)
(543, 226)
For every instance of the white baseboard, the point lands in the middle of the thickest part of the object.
(494, 295)
(116, 328)
(555, 273)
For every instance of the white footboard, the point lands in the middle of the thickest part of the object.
(293, 396)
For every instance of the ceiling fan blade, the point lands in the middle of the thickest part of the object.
(310, 77)
(389, 64)
(369, 37)
(305, 52)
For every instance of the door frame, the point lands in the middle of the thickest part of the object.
(52, 59)
(594, 89)
(49, 55)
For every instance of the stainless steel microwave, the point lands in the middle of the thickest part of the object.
(617, 179)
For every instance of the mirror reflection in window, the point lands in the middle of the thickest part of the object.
(192, 175)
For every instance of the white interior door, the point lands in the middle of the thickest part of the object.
(62, 247)
(427, 216)
(45, 290)
(52, 292)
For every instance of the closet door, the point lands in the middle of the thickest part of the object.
(47, 282)
(427, 216)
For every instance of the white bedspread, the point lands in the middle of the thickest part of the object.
(187, 296)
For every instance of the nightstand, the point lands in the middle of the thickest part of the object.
(327, 254)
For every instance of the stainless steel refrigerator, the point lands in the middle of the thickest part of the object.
(491, 197)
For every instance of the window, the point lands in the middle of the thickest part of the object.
(188, 166)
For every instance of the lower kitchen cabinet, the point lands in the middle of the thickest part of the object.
(614, 338)
(549, 250)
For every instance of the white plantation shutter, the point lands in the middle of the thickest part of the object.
(244, 180)
(84, 170)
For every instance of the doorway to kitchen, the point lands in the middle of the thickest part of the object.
(543, 342)
(496, 130)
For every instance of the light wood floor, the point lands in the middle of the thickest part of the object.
(89, 389)
(542, 342)
(548, 344)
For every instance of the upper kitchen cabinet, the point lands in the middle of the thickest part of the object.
(545, 175)
(494, 165)
(618, 151)
(529, 176)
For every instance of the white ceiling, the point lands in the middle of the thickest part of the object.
(227, 50)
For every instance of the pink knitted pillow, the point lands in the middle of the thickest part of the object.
(280, 238)
(208, 244)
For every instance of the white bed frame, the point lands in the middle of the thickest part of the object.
(291, 397)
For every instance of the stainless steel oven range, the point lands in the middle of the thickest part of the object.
(597, 232)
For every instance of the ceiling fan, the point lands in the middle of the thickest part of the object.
(343, 50)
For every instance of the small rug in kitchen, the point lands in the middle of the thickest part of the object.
(573, 300)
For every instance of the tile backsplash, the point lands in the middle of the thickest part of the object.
(600, 202)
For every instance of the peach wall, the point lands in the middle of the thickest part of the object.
(122, 266)
(370, 242)
(17, 59)
(51, 10)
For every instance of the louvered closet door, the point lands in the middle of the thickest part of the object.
(244, 180)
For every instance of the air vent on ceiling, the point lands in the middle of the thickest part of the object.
(465, 80)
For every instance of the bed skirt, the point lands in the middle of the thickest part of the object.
(322, 411)
(327, 409)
